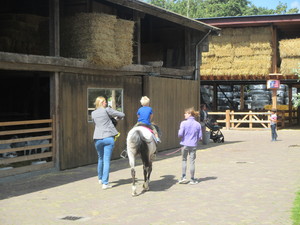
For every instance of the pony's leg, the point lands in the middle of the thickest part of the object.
(149, 171)
(133, 182)
(131, 163)
(146, 180)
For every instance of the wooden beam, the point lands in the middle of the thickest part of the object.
(12, 61)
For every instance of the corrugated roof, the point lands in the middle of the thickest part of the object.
(258, 20)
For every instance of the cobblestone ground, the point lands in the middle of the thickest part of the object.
(248, 180)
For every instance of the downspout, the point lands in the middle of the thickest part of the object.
(197, 55)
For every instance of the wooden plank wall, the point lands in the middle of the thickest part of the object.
(169, 98)
(76, 133)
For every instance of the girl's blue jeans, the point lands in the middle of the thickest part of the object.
(104, 149)
(274, 133)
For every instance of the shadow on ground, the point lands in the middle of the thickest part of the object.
(37, 181)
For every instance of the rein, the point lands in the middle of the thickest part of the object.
(171, 153)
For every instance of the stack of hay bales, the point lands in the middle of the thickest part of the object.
(239, 51)
(20, 33)
(290, 55)
(100, 38)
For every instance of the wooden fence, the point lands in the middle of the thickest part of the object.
(252, 120)
(26, 146)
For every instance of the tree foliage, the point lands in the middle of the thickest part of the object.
(219, 8)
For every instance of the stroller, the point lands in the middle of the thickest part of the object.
(215, 132)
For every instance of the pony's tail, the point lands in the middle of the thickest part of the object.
(141, 147)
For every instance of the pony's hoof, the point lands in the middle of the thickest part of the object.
(145, 188)
(134, 194)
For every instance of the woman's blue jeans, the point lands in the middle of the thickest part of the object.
(104, 149)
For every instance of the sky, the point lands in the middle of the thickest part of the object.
(271, 4)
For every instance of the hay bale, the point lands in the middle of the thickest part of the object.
(239, 51)
(90, 36)
(289, 48)
(100, 38)
(123, 40)
(20, 33)
(288, 65)
(243, 51)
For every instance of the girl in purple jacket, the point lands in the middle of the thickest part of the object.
(190, 133)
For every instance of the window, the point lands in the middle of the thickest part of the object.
(113, 96)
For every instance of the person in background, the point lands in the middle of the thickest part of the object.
(273, 122)
(145, 116)
(190, 133)
(203, 121)
(104, 137)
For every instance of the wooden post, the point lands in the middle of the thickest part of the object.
(215, 97)
(274, 98)
(137, 38)
(269, 116)
(242, 102)
(274, 46)
(250, 120)
(290, 105)
(54, 28)
(232, 118)
(227, 118)
(282, 119)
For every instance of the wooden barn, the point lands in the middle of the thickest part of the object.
(57, 56)
(250, 51)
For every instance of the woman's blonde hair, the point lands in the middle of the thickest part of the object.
(145, 101)
(192, 112)
(98, 102)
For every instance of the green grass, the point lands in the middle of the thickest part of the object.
(296, 210)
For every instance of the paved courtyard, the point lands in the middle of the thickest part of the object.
(248, 180)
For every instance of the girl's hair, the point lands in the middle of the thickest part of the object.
(145, 100)
(98, 102)
(192, 112)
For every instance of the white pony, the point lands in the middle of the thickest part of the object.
(140, 140)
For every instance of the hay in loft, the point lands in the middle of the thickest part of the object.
(123, 41)
(289, 48)
(20, 33)
(239, 51)
(290, 56)
(288, 65)
(100, 38)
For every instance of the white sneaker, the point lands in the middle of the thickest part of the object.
(106, 186)
(100, 181)
(183, 180)
(193, 181)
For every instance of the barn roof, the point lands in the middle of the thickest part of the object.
(165, 14)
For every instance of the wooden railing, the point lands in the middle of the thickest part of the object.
(26, 146)
(252, 120)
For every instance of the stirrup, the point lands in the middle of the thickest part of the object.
(124, 154)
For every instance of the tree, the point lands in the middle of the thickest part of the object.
(219, 8)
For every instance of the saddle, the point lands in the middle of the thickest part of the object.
(146, 126)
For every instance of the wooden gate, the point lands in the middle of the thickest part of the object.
(26, 146)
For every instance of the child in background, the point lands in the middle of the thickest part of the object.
(190, 133)
(273, 119)
(145, 115)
